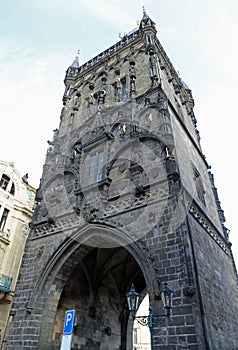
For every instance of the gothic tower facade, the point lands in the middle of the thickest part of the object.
(126, 196)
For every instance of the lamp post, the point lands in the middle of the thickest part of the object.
(151, 320)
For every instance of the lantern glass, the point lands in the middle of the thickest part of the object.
(133, 299)
(166, 296)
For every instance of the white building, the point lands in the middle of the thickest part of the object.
(16, 209)
(141, 334)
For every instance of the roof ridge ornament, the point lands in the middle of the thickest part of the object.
(145, 16)
(75, 63)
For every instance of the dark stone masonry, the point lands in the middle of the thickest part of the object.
(126, 196)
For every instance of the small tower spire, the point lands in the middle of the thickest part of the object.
(145, 16)
(75, 63)
(146, 20)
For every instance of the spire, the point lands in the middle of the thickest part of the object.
(145, 16)
(146, 20)
(75, 63)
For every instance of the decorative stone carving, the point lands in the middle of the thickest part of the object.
(154, 72)
(189, 291)
(208, 227)
(76, 101)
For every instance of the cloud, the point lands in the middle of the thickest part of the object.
(115, 12)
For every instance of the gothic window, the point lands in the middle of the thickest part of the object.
(96, 167)
(123, 89)
(199, 185)
(4, 181)
(4, 219)
(115, 92)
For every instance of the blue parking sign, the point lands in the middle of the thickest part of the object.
(69, 322)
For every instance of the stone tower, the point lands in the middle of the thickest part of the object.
(126, 196)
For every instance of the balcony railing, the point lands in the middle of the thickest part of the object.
(5, 283)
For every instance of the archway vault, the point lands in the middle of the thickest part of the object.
(91, 271)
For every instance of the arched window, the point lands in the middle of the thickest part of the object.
(12, 190)
(4, 181)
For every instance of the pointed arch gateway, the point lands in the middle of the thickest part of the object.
(91, 273)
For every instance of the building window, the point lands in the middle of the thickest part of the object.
(96, 167)
(199, 186)
(123, 89)
(4, 181)
(116, 92)
(4, 219)
(12, 191)
(135, 335)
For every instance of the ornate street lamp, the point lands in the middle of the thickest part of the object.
(133, 300)
(151, 320)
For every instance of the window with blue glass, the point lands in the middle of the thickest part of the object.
(123, 89)
(96, 167)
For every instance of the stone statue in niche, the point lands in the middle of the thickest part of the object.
(90, 100)
(117, 88)
(132, 86)
(132, 71)
(122, 129)
(76, 101)
(162, 101)
(77, 151)
(153, 69)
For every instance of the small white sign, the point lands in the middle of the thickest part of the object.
(66, 342)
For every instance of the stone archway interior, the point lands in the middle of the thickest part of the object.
(96, 290)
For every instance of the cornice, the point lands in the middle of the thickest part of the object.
(210, 229)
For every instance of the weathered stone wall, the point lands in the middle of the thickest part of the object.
(218, 283)
(189, 157)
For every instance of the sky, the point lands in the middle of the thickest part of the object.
(39, 40)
